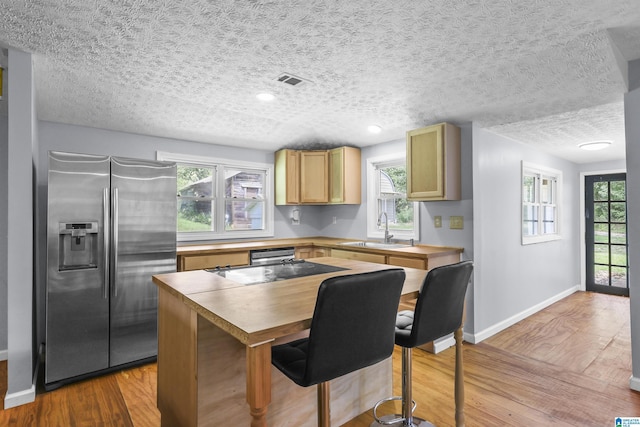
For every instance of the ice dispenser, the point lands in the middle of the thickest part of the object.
(78, 245)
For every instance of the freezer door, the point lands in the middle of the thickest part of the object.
(77, 305)
(143, 244)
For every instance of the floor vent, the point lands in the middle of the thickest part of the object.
(291, 79)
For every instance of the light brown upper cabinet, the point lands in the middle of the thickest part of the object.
(301, 177)
(317, 176)
(433, 163)
(314, 177)
(287, 177)
(344, 173)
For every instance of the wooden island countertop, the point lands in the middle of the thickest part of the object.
(262, 311)
(215, 334)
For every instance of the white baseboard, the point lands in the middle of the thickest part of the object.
(11, 400)
(634, 383)
(443, 344)
(4, 355)
(483, 335)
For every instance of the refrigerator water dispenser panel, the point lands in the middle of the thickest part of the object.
(78, 243)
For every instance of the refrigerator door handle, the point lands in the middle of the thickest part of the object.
(115, 242)
(105, 237)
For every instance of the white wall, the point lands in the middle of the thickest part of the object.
(512, 281)
(632, 127)
(22, 143)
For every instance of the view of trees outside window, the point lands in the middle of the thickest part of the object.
(244, 201)
(196, 198)
(197, 203)
(610, 232)
(392, 198)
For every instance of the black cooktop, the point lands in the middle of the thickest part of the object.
(254, 274)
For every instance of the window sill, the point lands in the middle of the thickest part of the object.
(530, 240)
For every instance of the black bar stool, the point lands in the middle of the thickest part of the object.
(352, 327)
(438, 312)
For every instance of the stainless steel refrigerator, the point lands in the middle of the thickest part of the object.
(111, 226)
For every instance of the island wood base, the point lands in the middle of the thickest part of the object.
(202, 378)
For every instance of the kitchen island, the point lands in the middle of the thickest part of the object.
(214, 350)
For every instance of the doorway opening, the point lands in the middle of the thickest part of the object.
(607, 268)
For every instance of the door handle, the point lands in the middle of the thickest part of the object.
(114, 203)
(105, 243)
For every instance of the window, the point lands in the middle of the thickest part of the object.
(222, 199)
(387, 190)
(540, 212)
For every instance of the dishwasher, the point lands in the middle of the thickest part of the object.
(272, 255)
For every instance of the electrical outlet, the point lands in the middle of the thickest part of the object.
(335, 220)
(437, 221)
(456, 222)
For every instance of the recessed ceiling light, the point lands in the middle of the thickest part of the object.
(595, 145)
(265, 96)
(374, 129)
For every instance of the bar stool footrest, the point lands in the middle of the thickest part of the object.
(389, 420)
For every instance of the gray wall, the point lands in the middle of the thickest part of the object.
(22, 143)
(62, 137)
(632, 125)
(506, 281)
(511, 280)
(4, 203)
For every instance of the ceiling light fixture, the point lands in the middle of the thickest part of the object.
(374, 129)
(265, 96)
(595, 145)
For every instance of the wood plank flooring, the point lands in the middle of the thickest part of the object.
(568, 365)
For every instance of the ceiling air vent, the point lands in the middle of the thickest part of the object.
(291, 79)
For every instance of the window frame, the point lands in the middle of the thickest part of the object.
(539, 173)
(373, 191)
(220, 199)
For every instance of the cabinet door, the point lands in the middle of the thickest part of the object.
(304, 252)
(406, 262)
(320, 252)
(336, 167)
(344, 174)
(314, 186)
(425, 168)
(287, 177)
(199, 262)
(433, 163)
(358, 256)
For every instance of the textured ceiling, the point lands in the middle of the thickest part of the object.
(542, 72)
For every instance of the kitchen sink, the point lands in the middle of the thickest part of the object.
(375, 245)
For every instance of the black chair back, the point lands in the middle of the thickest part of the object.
(353, 324)
(440, 305)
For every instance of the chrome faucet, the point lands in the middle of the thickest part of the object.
(387, 236)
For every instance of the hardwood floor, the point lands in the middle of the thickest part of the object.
(568, 365)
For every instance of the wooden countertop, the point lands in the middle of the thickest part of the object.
(257, 313)
(417, 251)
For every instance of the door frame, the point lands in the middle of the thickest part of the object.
(583, 225)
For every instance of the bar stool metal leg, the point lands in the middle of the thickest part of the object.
(324, 408)
(408, 404)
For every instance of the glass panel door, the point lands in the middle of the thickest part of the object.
(606, 234)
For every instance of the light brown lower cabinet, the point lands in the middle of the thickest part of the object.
(199, 262)
(306, 252)
(358, 256)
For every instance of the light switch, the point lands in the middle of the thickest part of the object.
(437, 221)
(456, 222)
